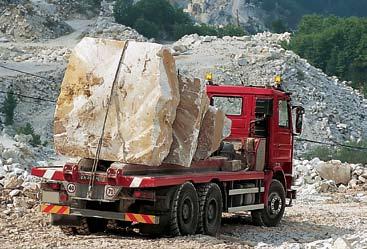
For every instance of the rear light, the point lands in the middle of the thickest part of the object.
(144, 194)
(70, 172)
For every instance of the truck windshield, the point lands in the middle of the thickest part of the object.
(230, 105)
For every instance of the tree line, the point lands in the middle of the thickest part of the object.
(291, 11)
(336, 45)
(159, 19)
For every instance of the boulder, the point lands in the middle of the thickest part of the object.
(341, 243)
(336, 171)
(215, 127)
(143, 105)
(12, 181)
(193, 105)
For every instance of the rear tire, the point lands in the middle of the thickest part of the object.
(271, 215)
(67, 230)
(184, 213)
(86, 227)
(83, 229)
(211, 204)
(96, 225)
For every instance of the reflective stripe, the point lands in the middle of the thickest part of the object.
(141, 218)
(49, 174)
(55, 209)
(136, 182)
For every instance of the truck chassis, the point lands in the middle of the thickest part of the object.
(166, 199)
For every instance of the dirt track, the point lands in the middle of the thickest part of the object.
(303, 224)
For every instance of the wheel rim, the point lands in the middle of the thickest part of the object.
(212, 211)
(275, 204)
(187, 210)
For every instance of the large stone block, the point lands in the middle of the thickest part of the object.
(143, 105)
(193, 105)
(335, 170)
(215, 127)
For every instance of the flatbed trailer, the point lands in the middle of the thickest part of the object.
(252, 171)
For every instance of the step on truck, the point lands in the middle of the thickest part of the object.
(251, 171)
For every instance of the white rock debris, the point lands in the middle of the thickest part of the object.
(334, 111)
(24, 22)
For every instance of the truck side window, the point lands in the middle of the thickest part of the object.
(230, 105)
(283, 114)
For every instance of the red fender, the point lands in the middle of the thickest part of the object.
(268, 177)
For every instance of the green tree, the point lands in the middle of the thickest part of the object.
(146, 28)
(278, 26)
(231, 30)
(159, 19)
(336, 45)
(9, 105)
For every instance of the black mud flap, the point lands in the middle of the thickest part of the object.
(65, 220)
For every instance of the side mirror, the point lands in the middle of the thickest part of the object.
(300, 111)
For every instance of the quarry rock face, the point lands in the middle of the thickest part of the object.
(143, 105)
(193, 105)
(215, 127)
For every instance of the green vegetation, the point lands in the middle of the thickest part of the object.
(159, 19)
(278, 26)
(343, 154)
(291, 11)
(88, 5)
(336, 45)
(28, 130)
(9, 105)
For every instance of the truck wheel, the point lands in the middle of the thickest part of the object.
(96, 225)
(272, 214)
(211, 203)
(83, 229)
(67, 230)
(184, 213)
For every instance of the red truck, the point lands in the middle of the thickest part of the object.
(251, 171)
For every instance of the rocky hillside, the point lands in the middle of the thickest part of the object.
(334, 111)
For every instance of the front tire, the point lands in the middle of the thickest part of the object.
(272, 214)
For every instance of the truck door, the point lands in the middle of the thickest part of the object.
(282, 135)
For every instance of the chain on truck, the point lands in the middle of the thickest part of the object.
(251, 171)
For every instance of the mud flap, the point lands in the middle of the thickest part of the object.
(65, 220)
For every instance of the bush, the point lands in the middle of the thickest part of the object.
(89, 5)
(28, 130)
(148, 29)
(344, 154)
(8, 108)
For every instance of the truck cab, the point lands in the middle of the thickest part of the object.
(266, 115)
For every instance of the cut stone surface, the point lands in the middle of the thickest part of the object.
(193, 105)
(143, 105)
(215, 127)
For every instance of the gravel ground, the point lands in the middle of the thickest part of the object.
(305, 225)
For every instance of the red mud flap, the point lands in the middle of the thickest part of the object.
(65, 210)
